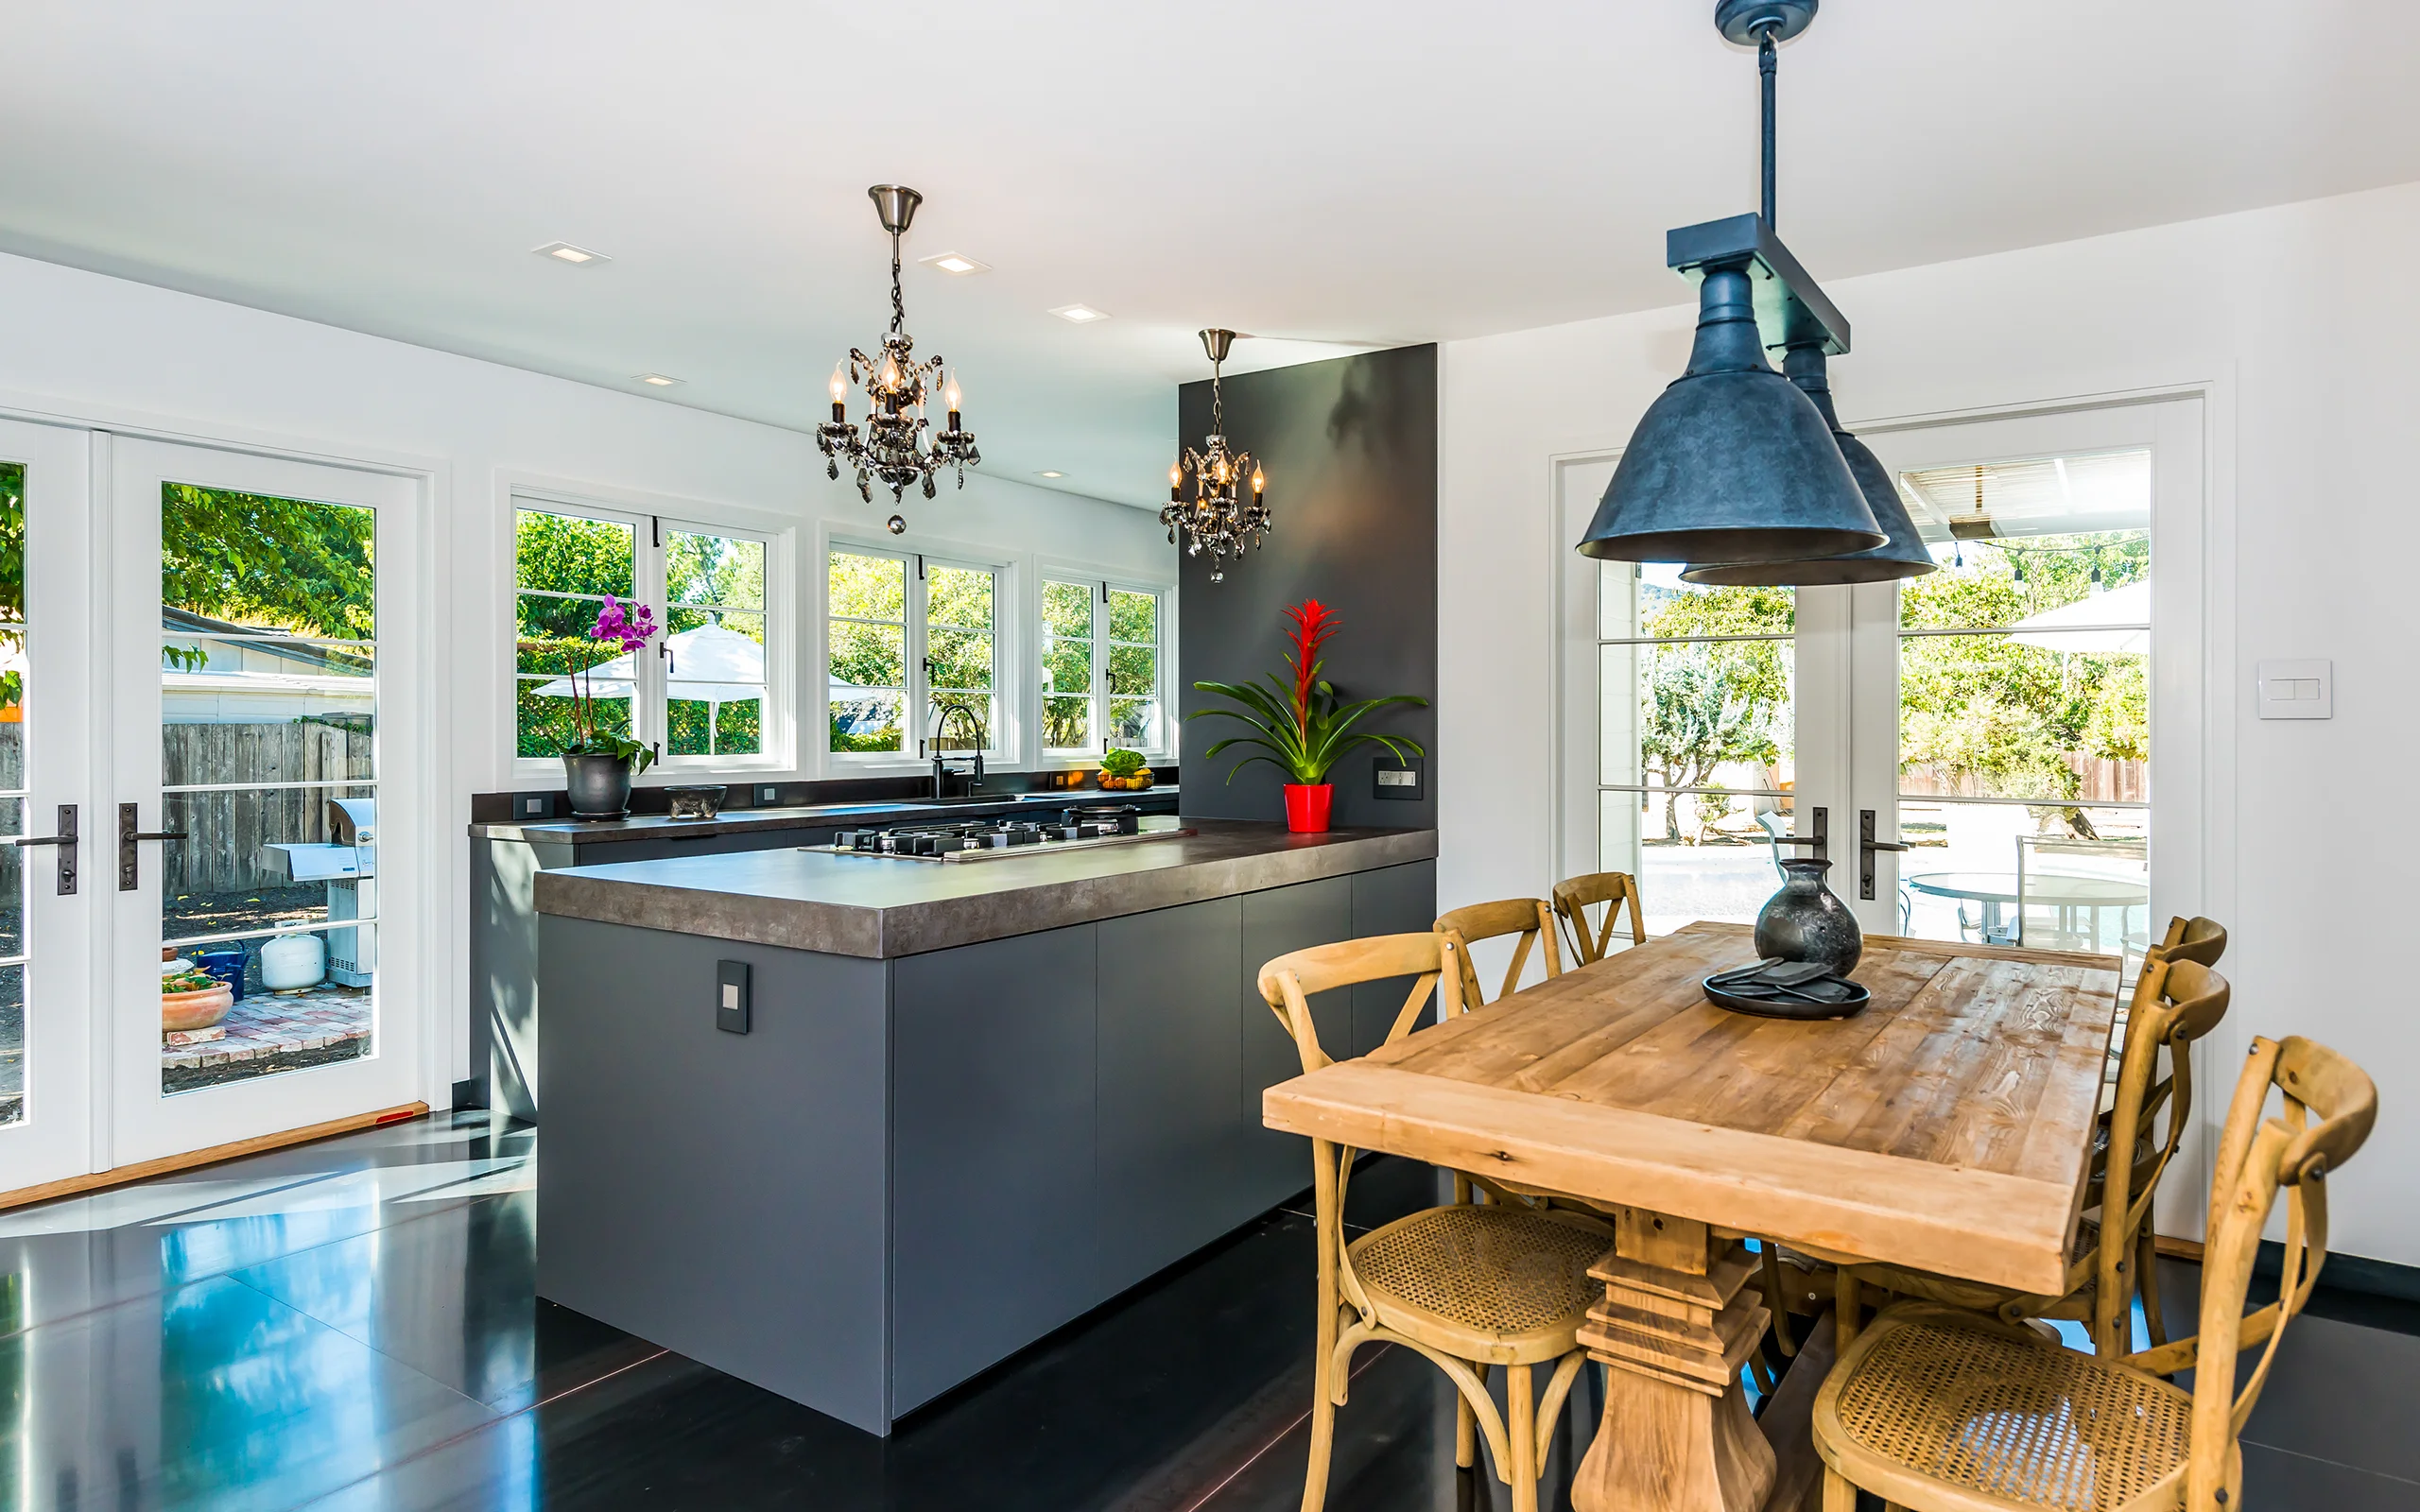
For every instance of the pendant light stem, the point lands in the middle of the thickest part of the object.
(1766, 58)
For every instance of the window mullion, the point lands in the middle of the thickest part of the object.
(913, 696)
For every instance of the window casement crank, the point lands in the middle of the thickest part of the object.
(1866, 846)
(65, 840)
(129, 832)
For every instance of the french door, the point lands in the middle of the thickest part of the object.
(1979, 747)
(215, 646)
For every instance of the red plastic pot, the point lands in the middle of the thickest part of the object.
(1306, 806)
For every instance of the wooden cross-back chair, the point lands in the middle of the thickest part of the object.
(1470, 1287)
(1532, 919)
(1575, 896)
(1941, 1410)
(2175, 1004)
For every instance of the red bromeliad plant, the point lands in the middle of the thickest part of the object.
(1303, 729)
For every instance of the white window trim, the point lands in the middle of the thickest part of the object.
(1009, 686)
(653, 520)
(1103, 582)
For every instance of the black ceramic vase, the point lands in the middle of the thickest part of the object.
(1805, 922)
(599, 786)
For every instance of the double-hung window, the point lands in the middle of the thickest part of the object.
(701, 692)
(1103, 661)
(912, 658)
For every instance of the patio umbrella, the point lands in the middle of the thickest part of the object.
(2065, 628)
(709, 666)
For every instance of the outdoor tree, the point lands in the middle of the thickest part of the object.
(1707, 704)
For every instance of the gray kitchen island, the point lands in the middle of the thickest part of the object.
(958, 1104)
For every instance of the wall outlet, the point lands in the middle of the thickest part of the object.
(731, 996)
(768, 794)
(528, 806)
(1404, 781)
(2295, 689)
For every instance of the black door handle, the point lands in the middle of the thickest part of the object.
(65, 839)
(128, 857)
(1866, 846)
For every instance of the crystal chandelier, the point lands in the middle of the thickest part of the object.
(1216, 521)
(896, 449)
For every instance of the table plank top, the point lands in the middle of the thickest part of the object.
(1945, 1127)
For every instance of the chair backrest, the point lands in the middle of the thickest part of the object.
(1289, 982)
(2330, 1103)
(1531, 918)
(2196, 940)
(1575, 897)
(2175, 1004)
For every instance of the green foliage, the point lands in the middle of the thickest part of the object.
(263, 561)
(12, 577)
(1123, 763)
(1708, 703)
(1308, 750)
(1986, 716)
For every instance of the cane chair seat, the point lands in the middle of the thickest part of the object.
(1497, 1285)
(1990, 1418)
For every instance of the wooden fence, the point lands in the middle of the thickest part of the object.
(2102, 782)
(227, 830)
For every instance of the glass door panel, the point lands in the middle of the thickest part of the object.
(260, 594)
(45, 716)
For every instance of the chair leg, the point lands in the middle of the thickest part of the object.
(1521, 1427)
(1331, 1229)
(1844, 1308)
(1466, 1428)
(1839, 1495)
(2147, 1282)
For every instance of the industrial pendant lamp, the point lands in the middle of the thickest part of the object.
(1903, 555)
(1733, 462)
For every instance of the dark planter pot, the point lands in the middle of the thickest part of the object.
(1308, 806)
(600, 786)
(1805, 922)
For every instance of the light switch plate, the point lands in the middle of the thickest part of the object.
(2295, 689)
(1402, 780)
(529, 806)
(731, 996)
(768, 794)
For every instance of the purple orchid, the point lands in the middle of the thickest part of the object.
(629, 629)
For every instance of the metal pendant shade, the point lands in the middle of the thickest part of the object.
(1903, 555)
(1733, 462)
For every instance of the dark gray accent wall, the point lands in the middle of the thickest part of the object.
(1351, 450)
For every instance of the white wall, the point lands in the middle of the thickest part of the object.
(111, 353)
(2294, 320)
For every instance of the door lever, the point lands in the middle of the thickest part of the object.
(1866, 846)
(65, 840)
(128, 833)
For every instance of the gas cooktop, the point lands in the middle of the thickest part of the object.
(1075, 829)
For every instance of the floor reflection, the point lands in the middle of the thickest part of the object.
(355, 1325)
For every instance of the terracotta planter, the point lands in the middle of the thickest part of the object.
(1306, 806)
(195, 1011)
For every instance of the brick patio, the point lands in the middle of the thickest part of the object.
(266, 1025)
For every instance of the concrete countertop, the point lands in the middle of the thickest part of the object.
(796, 817)
(879, 907)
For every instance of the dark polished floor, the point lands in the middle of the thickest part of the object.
(353, 1325)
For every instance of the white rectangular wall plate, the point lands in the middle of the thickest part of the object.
(2295, 689)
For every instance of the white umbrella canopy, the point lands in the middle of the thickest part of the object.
(710, 665)
(2084, 626)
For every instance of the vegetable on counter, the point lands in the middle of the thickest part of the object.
(1123, 771)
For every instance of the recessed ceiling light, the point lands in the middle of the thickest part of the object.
(658, 379)
(1080, 314)
(957, 262)
(1049, 474)
(566, 252)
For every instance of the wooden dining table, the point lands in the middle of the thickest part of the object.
(1945, 1127)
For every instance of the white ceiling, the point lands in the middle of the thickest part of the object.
(1335, 173)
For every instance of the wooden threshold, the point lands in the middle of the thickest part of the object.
(166, 1164)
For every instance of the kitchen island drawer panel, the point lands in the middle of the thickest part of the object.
(1391, 900)
(1275, 922)
(994, 1209)
(1172, 1155)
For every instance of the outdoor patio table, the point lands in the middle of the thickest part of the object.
(1945, 1127)
(2065, 892)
